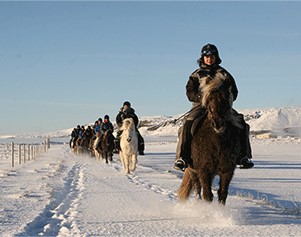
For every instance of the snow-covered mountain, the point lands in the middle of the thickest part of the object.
(276, 121)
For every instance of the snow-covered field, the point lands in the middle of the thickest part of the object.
(61, 194)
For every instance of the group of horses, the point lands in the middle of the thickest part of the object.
(103, 147)
(87, 145)
(215, 146)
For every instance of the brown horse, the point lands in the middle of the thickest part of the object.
(215, 145)
(107, 145)
(78, 146)
(74, 145)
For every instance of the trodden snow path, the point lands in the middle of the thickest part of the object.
(60, 194)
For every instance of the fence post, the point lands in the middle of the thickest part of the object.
(19, 152)
(12, 154)
(34, 151)
(28, 152)
(24, 153)
(31, 151)
(48, 143)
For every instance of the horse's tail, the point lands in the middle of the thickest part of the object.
(190, 182)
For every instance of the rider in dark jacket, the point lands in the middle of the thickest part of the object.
(74, 136)
(209, 69)
(126, 111)
(106, 125)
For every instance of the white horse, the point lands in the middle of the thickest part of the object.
(128, 145)
(97, 152)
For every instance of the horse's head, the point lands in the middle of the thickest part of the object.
(127, 124)
(107, 134)
(219, 110)
(217, 100)
(108, 138)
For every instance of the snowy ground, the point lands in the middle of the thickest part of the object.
(60, 194)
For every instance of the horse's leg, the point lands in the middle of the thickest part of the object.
(111, 156)
(94, 149)
(133, 162)
(198, 187)
(98, 155)
(224, 183)
(127, 164)
(206, 182)
(106, 156)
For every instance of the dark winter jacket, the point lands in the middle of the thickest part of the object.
(129, 113)
(107, 126)
(202, 76)
(74, 133)
(88, 133)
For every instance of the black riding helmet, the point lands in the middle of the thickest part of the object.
(127, 103)
(209, 49)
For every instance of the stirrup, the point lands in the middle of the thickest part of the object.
(180, 164)
(246, 163)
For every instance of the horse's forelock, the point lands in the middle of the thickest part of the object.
(213, 85)
(127, 123)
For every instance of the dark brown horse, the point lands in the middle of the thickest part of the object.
(107, 145)
(215, 145)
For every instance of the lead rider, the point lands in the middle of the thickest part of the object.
(209, 67)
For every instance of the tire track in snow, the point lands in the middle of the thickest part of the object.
(136, 179)
(58, 216)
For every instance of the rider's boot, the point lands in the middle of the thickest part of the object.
(140, 144)
(185, 148)
(117, 142)
(246, 152)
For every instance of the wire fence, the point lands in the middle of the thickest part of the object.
(20, 153)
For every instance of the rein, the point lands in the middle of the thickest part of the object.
(188, 112)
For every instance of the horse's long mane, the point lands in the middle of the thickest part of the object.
(211, 85)
(217, 84)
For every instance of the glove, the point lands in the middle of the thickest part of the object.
(123, 116)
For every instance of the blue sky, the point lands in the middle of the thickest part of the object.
(68, 63)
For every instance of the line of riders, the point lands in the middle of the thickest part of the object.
(85, 137)
(209, 69)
